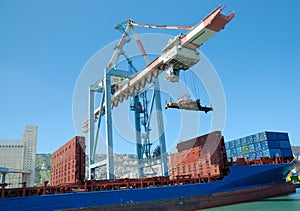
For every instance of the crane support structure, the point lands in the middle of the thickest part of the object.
(117, 85)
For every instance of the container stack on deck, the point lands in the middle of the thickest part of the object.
(68, 162)
(265, 144)
(203, 156)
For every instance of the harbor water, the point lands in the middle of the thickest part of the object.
(283, 203)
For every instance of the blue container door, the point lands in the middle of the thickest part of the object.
(227, 145)
(265, 153)
(254, 138)
(286, 153)
(239, 151)
(284, 144)
(271, 136)
(249, 140)
(257, 146)
(273, 144)
(283, 136)
(264, 145)
(258, 155)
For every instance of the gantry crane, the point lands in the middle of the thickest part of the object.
(118, 85)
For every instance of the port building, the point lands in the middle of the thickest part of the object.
(17, 159)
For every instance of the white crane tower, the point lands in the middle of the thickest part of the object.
(118, 85)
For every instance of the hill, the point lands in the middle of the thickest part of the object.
(42, 168)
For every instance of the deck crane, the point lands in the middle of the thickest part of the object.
(116, 85)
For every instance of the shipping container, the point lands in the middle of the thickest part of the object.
(273, 144)
(262, 136)
(233, 152)
(249, 140)
(259, 154)
(257, 137)
(252, 155)
(245, 149)
(68, 162)
(238, 143)
(251, 148)
(231, 145)
(283, 136)
(244, 141)
(271, 136)
(265, 153)
(284, 144)
(239, 151)
(264, 145)
(196, 158)
(254, 138)
(228, 152)
(275, 152)
(286, 153)
(257, 146)
(246, 156)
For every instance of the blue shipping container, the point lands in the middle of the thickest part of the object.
(265, 153)
(233, 152)
(228, 152)
(283, 136)
(262, 136)
(273, 144)
(249, 140)
(264, 145)
(257, 146)
(271, 136)
(254, 138)
(237, 143)
(252, 155)
(231, 145)
(239, 151)
(246, 155)
(286, 153)
(244, 142)
(258, 155)
(257, 137)
(275, 152)
(284, 144)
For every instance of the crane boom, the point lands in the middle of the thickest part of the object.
(151, 26)
(181, 52)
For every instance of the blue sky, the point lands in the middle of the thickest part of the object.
(45, 45)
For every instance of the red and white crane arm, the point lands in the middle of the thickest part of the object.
(180, 52)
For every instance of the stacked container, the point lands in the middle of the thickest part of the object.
(68, 162)
(203, 157)
(265, 144)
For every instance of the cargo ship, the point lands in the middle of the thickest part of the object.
(203, 172)
(220, 182)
